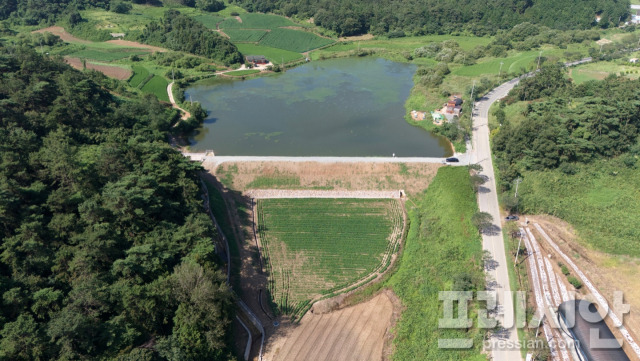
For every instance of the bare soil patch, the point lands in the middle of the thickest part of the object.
(238, 18)
(354, 333)
(413, 178)
(135, 44)
(63, 34)
(607, 272)
(357, 37)
(115, 72)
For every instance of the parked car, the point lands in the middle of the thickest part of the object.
(452, 160)
(512, 218)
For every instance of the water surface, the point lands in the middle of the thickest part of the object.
(339, 107)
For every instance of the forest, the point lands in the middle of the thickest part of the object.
(420, 17)
(569, 124)
(181, 33)
(106, 251)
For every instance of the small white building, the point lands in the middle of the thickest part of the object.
(635, 14)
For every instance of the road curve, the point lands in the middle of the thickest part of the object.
(185, 114)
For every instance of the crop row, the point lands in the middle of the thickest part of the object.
(329, 243)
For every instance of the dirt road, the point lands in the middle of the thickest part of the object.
(185, 114)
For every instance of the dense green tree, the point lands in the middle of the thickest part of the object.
(417, 17)
(181, 33)
(98, 218)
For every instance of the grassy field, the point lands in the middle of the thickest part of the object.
(140, 73)
(317, 246)
(602, 201)
(442, 247)
(107, 54)
(158, 87)
(294, 40)
(208, 20)
(602, 69)
(276, 56)
(257, 21)
(243, 72)
(408, 43)
(245, 35)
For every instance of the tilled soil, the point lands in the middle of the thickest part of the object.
(356, 333)
(110, 71)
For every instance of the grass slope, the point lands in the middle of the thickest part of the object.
(140, 73)
(294, 40)
(107, 54)
(317, 246)
(158, 87)
(602, 201)
(442, 245)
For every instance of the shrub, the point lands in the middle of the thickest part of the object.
(575, 282)
(120, 7)
(565, 270)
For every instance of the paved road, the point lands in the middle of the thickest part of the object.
(488, 202)
(217, 160)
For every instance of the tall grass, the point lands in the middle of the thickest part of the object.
(442, 245)
(601, 200)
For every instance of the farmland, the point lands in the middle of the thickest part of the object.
(106, 54)
(315, 247)
(294, 40)
(158, 87)
(245, 35)
(276, 56)
(140, 74)
(256, 21)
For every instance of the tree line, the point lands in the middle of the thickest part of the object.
(418, 17)
(181, 33)
(568, 124)
(105, 249)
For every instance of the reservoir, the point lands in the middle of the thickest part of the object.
(338, 107)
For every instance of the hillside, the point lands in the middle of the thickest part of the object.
(105, 252)
(583, 165)
(419, 17)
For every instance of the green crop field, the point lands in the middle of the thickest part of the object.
(107, 54)
(158, 87)
(140, 73)
(294, 40)
(209, 21)
(245, 35)
(314, 247)
(276, 56)
(257, 21)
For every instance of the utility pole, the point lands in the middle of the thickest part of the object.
(539, 56)
(500, 72)
(515, 261)
(518, 181)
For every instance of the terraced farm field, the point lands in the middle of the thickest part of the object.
(245, 35)
(314, 248)
(294, 40)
